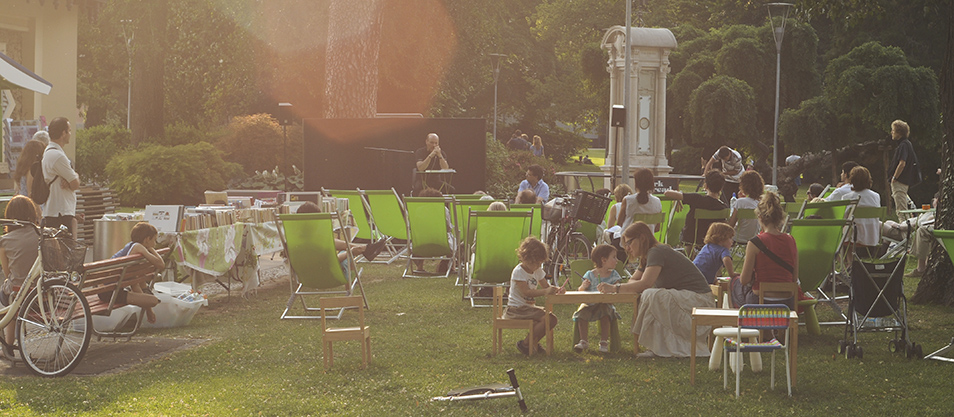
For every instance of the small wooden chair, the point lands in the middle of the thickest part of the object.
(500, 323)
(336, 334)
(779, 290)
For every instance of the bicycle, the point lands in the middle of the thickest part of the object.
(565, 242)
(53, 320)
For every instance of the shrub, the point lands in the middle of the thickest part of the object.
(95, 147)
(257, 143)
(156, 174)
(506, 168)
(272, 180)
(686, 160)
(180, 133)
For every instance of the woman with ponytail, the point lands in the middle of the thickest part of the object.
(759, 266)
(642, 202)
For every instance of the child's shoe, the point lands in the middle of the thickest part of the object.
(523, 348)
(583, 345)
(604, 346)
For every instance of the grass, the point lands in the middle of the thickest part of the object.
(426, 341)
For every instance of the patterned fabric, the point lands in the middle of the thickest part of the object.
(764, 316)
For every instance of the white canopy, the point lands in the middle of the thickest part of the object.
(14, 75)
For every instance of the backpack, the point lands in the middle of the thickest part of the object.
(40, 191)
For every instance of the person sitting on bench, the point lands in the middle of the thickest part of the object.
(142, 241)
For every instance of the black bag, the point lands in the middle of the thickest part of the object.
(40, 191)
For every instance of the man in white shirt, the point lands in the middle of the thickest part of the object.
(843, 187)
(60, 208)
(732, 169)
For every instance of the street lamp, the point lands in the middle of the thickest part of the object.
(495, 64)
(284, 118)
(778, 31)
(128, 40)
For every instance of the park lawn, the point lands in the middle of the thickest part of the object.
(427, 341)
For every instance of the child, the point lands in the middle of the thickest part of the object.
(715, 254)
(604, 257)
(142, 241)
(523, 288)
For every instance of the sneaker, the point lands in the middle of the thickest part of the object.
(916, 273)
(372, 250)
(523, 348)
(583, 345)
(604, 346)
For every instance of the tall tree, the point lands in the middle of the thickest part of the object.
(149, 19)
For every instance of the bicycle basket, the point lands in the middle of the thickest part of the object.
(63, 254)
(589, 207)
(553, 210)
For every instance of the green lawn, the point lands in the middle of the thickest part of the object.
(427, 341)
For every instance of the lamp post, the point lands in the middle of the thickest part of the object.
(495, 64)
(284, 118)
(627, 103)
(778, 31)
(128, 40)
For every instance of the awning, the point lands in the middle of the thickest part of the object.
(13, 75)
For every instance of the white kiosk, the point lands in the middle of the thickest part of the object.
(650, 66)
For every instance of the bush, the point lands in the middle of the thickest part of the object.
(256, 142)
(560, 145)
(272, 180)
(506, 169)
(156, 174)
(95, 147)
(180, 133)
(686, 161)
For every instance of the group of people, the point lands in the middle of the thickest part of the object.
(520, 141)
(670, 284)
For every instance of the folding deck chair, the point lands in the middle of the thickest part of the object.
(465, 234)
(537, 210)
(819, 243)
(362, 216)
(388, 213)
(877, 303)
(427, 229)
(668, 206)
(703, 214)
(677, 221)
(497, 236)
(946, 238)
(314, 270)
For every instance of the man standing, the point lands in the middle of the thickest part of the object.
(60, 208)
(731, 168)
(534, 182)
(429, 158)
(904, 170)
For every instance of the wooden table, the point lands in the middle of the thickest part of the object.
(718, 317)
(579, 297)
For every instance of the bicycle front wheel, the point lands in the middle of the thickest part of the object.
(54, 328)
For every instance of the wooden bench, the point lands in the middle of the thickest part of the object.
(111, 276)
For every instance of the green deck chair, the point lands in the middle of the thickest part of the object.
(828, 209)
(677, 222)
(702, 214)
(578, 268)
(497, 236)
(427, 229)
(537, 210)
(388, 213)
(819, 243)
(946, 238)
(466, 196)
(314, 270)
(667, 207)
(359, 209)
(465, 234)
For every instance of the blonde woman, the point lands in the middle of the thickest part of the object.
(537, 147)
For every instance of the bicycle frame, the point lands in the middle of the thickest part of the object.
(9, 312)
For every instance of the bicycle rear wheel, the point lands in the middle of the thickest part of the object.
(54, 328)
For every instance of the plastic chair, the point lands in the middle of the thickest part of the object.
(427, 229)
(497, 236)
(700, 215)
(500, 323)
(314, 270)
(329, 335)
(759, 317)
(389, 219)
(818, 243)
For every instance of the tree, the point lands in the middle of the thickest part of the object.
(721, 112)
(149, 21)
(256, 143)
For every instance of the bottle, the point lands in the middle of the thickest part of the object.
(732, 201)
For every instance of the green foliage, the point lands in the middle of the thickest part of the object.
(256, 142)
(506, 169)
(272, 180)
(813, 126)
(180, 133)
(95, 147)
(722, 112)
(156, 174)
(686, 160)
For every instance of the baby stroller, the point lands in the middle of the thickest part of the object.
(877, 303)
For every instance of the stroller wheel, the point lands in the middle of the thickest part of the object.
(859, 352)
(893, 346)
(908, 350)
(849, 351)
(841, 347)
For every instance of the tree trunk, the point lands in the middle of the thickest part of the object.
(351, 69)
(936, 285)
(149, 52)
